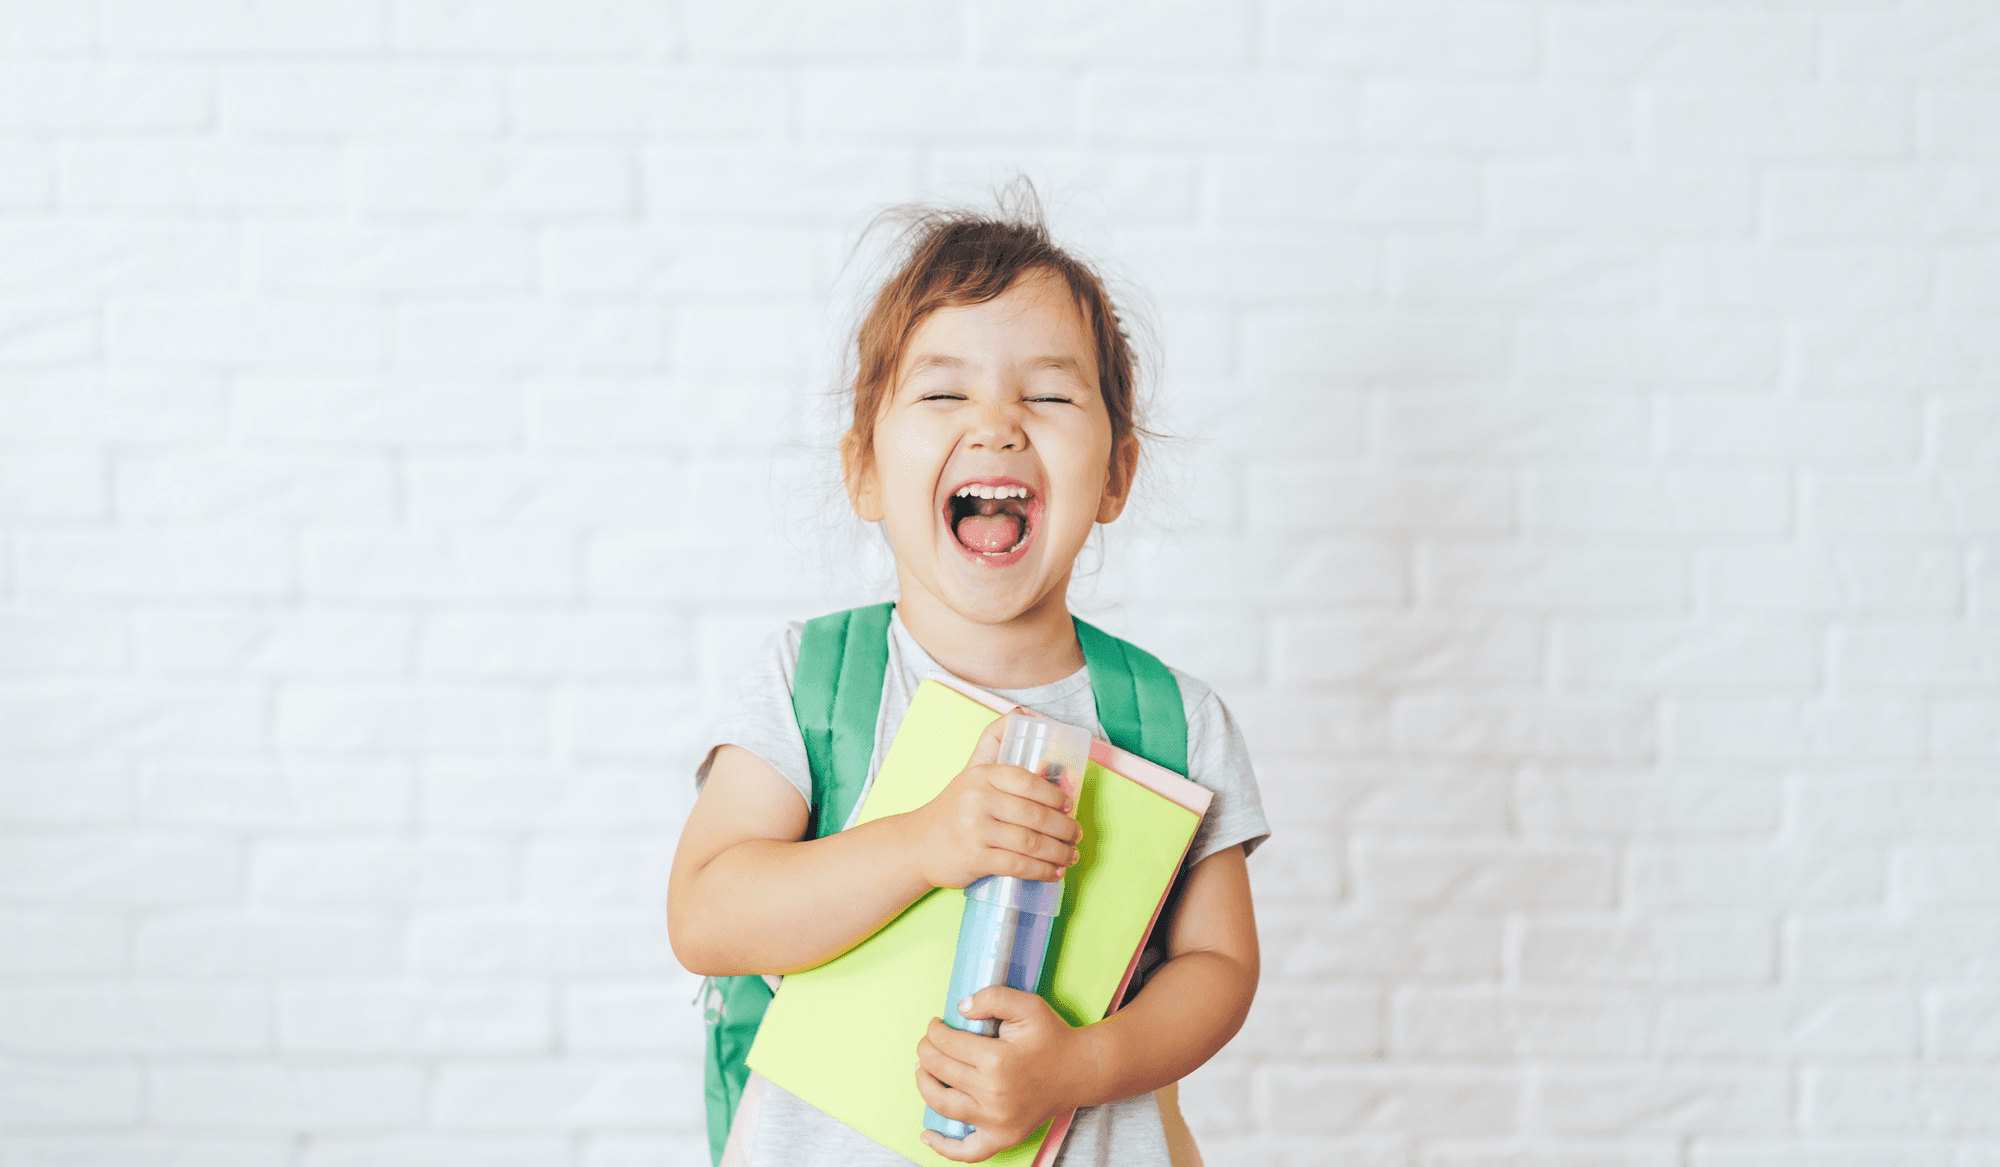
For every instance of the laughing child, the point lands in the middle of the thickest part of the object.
(994, 424)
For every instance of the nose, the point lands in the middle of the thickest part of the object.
(997, 427)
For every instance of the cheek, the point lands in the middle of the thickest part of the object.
(1083, 466)
(908, 467)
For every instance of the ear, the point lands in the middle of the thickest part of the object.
(1118, 479)
(857, 472)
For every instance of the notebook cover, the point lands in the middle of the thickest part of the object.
(844, 1036)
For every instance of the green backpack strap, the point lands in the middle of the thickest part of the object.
(733, 1007)
(1138, 700)
(1139, 706)
(838, 720)
(836, 698)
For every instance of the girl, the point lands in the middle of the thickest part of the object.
(993, 426)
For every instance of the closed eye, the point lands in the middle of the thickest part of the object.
(1055, 398)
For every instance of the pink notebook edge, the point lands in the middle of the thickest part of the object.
(1181, 791)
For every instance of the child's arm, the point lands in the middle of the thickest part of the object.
(749, 894)
(1039, 1066)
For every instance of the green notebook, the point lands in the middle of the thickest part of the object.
(844, 1036)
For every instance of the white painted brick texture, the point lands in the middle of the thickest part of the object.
(411, 412)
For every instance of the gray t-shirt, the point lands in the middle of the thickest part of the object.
(793, 1133)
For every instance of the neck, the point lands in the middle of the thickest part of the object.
(1037, 647)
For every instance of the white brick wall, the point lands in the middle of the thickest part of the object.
(409, 416)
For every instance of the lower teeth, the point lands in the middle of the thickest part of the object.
(1010, 550)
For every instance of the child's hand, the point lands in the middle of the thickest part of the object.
(1005, 1086)
(993, 820)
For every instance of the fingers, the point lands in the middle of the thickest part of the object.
(1002, 1002)
(1032, 829)
(946, 1099)
(1000, 820)
(1033, 844)
(976, 1147)
(1021, 814)
(941, 1064)
(1009, 862)
(954, 1073)
(971, 1050)
(1016, 781)
(954, 1104)
(1035, 817)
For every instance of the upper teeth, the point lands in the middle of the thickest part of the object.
(992, 492)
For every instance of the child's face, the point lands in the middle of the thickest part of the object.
(1001, 397)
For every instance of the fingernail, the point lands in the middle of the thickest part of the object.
(1074, 856)
(964, 1005)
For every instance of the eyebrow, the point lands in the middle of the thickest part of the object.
(934, 361)
(928, 361)
(1069, 365)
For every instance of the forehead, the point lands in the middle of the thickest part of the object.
(1035, 317)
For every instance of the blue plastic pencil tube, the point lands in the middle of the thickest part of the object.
(1003, 938)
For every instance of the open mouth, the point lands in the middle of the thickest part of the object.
(992, 520)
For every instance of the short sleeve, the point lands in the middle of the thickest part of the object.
(760, 719)
(1219, 759)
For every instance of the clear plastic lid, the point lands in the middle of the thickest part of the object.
(1058, 753)
(1050, 749)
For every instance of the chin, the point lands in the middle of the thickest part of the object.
(989, 598)
(989, 594)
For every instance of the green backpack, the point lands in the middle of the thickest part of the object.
(837, 697)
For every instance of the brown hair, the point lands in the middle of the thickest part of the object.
(957, 257)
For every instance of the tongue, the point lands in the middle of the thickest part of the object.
(989, 532)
